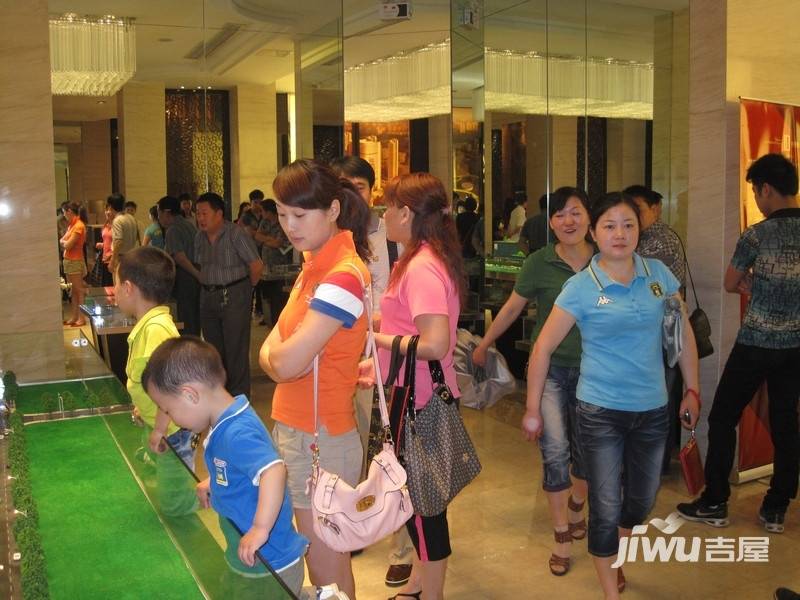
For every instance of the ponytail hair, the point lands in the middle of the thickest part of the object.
(311, 185)
(433, 223)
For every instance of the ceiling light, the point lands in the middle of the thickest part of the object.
(91, 56)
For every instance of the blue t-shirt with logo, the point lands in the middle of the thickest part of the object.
(238, 450)
(622, 365)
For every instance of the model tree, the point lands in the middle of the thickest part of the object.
(69, 402)
(92, 401)
(49, 403)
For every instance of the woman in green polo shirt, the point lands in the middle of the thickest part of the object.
(543, 274)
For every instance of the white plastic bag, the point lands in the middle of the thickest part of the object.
(481, 387)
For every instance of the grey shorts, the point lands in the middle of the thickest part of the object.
(340, 454)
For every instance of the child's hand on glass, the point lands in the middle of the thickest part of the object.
(156, 442)
(251, 542)
(203, 491)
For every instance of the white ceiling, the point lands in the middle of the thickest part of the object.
(262, 50)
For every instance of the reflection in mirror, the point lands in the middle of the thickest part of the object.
(397, 90)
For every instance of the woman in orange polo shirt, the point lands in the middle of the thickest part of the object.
(325, 218)
(74, 266)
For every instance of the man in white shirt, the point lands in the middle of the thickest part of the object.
(518, 217)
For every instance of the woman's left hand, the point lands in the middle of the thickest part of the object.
(366, 374)
(690, 404)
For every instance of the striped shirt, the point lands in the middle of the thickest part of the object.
(228, 258)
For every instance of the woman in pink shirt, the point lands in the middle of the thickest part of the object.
(423, 298)
(105, 245)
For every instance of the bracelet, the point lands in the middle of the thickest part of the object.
(695, 394)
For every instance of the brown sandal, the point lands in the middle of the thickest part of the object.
(620, 580)
(559, 565)
(578, 529)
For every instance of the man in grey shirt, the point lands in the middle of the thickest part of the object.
(179, 244)
(124, 230)
(229, 269)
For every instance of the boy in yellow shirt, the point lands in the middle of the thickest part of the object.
(143, 285)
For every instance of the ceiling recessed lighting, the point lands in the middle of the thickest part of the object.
(183, 87)
(165, 39)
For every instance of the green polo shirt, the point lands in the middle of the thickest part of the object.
(153, 328)
(542, 276)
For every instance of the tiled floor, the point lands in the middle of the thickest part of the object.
(501, 532)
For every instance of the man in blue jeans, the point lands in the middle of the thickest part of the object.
(765, 264)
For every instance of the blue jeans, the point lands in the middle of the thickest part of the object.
(616, 442)
(558, 443)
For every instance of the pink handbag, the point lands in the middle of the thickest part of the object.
(347, 518)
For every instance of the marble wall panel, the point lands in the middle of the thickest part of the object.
(254, 157)
(96, 162)
(440, 139)
(142, 145)
(28, 238)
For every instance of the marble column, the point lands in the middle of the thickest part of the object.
(28, 237)
(142, 145)
(254, 146)
(96, 166)
(440, 161)
(563, 152)
(625, 140)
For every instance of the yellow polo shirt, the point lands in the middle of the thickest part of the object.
(153, 328)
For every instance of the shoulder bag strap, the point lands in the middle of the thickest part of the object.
(411, 375)
(396, 361)
(688, 269)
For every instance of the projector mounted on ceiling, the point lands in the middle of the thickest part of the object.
(394, 11)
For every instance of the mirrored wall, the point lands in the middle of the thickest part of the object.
(499, 98)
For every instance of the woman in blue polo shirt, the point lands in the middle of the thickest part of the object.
(622, 422)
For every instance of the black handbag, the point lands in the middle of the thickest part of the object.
(438, 454)
(396, 398)
(698, 320)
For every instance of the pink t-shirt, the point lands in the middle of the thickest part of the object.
(424, 289)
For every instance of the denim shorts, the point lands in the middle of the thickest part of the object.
(558, 443)
(613, 442)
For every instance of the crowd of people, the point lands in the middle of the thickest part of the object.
(602, 402)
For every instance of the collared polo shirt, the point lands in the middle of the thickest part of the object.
(180, 237)
(622, 367)
(153, 328)
(771, 249)
(542, 276)
(328, 284)
(238, 449)
(228, 258)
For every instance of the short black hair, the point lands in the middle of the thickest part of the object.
(470, 204)
(168, 203)
(777, 171)
(354, 166)
(543, 202)
(130, 203)
(608, 201)
(269, 206)
(185, 196)
(520, 197)
(182, 360)
(151, 270)
(559, 199)
(116, 201)
(154, 212)
(215, 201)
(639, 191)
(256, 195)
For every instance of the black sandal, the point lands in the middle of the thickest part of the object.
(415, 595)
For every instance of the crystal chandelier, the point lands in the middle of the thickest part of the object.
(91, 56)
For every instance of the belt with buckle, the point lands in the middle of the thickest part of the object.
(216, 288)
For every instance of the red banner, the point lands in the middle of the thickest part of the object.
(765, 127)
